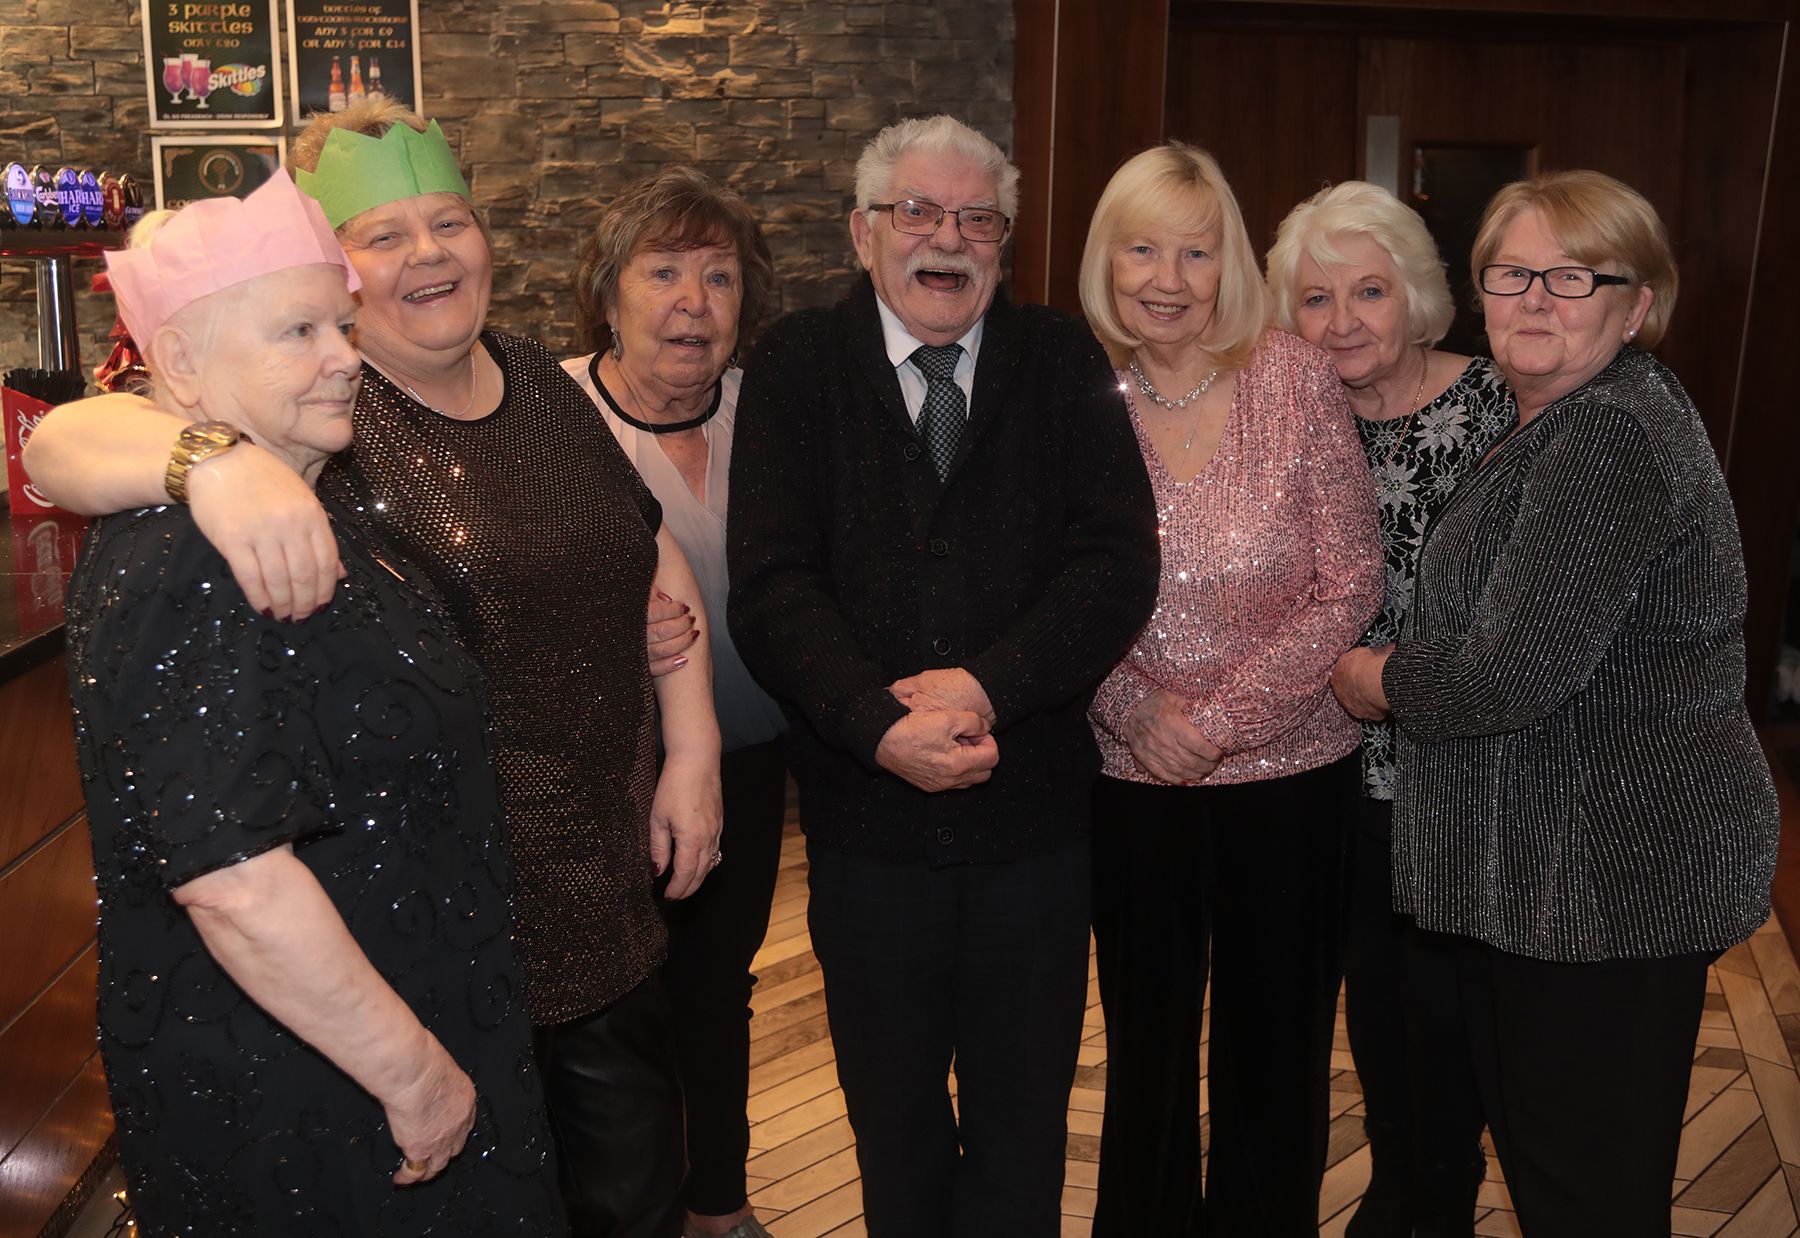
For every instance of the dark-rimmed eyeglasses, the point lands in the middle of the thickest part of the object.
(1503, 279)
(921, 218)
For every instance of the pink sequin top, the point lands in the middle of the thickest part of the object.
(1271, 567)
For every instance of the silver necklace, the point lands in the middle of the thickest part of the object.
(444, 412)
(1413, 408)
(1157, 397)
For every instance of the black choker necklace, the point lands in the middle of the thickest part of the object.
(654, 427)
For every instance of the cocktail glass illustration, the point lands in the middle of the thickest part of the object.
(174, 77)
(200, 80)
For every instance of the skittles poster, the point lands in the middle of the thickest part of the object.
(212, 64)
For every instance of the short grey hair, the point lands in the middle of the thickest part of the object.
(934, 135)
(1358, 208)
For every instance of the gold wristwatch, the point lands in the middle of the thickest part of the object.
(198, 441)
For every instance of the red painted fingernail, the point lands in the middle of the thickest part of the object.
(681, 662)
(267, 613)
(665, 597)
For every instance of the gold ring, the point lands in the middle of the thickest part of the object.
(416, 1167)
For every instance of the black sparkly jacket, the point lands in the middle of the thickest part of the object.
(1033, 565)
(1579, 779)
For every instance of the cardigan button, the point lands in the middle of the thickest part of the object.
(946, 836)
(911, 451)
(941, 646)
(939, 547)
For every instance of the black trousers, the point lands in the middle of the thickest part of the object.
(615, 1110)
(983, 965)
(713, 936)
(1243, 882)
(1403, 1012)
(1583, 1068)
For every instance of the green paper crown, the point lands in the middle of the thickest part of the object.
(357, 172)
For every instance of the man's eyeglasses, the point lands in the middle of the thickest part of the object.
(1570, 283)
(921, 218)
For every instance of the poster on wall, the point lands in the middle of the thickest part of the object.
(212, 64)
(345, 50)
(188, 169)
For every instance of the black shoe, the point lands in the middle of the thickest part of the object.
(1445, 1193)
(1386, 1208)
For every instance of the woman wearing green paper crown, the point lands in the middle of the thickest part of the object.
(485, 464)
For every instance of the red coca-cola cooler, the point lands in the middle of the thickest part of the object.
(45, 538)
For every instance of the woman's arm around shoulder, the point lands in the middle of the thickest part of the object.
(110, 453)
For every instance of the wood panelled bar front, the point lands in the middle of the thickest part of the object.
(55, 1121)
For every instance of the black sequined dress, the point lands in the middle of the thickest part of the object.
(540, 536)
(208, 735)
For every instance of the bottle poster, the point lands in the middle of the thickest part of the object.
(212, 64)
(343, 51)
(188, 169)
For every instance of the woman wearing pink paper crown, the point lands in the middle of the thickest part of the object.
(484, 463)
(306, 963)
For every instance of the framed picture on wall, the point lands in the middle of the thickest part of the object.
(345, 50)
(227, 166)
(212, 64)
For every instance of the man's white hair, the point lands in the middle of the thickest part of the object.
(935, 135)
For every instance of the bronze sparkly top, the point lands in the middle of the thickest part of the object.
(541, 539)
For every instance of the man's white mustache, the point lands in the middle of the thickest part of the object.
(959, 264)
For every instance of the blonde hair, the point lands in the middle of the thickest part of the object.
(371, 117)
(1181, 181)
(1359, 209)
(1597, 220)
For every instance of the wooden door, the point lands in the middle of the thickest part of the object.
(1688, 100)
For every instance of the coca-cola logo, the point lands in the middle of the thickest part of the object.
(43, 546)
(25, 423)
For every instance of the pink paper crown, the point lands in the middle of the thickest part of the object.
(217, 242)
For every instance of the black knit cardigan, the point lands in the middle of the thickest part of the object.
(1033, 565)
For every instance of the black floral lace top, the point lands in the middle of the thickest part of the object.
(1416, 466)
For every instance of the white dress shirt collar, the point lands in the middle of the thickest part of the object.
(901, 345)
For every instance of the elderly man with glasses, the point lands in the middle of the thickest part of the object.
(941, 539)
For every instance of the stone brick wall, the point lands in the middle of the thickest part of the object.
(71, 91)
(555, 105)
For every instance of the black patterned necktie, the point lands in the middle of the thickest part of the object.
(942, 415)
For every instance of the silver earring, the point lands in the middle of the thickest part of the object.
(731, 362)
(1631, 334)
(618, 345)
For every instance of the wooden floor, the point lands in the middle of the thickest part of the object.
(1738, 1176)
